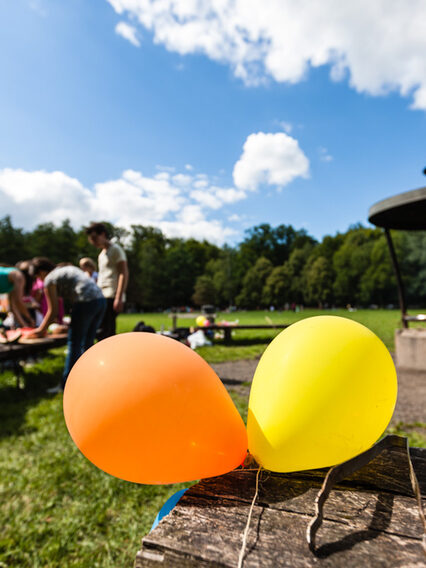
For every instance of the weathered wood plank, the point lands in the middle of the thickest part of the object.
(387, 472)
(212, 535)
(398, 514)
(373, 520)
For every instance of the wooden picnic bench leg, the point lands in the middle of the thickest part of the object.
(17, 367)
(227, 335)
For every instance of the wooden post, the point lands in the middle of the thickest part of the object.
(401, 293)
(227, 337)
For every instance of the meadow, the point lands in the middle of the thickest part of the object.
(58, 509)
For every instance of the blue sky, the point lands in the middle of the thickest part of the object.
(205, 118)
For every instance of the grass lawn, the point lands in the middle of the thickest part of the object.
(62, 511)
(250, 344)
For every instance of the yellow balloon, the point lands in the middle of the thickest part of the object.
(323, 392)
(200, 320)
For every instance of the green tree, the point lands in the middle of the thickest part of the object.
(351, 261)
(275, 244)
(224, 273)
(253, 283)
(148, 284)
(378, 284)
(13, 243)
(277, 288)
(57, 243)
(184, 262)
(412, 258)
(295, 268)
(204, 291)
(319, 282)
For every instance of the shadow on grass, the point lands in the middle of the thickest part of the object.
(243, 342)
(35, 380)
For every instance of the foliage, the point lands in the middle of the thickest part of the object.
(255, 278)
(319, 282)
(205, 291)
(277, 286)
(271, 266)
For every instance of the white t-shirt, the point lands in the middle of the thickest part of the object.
(108, 273)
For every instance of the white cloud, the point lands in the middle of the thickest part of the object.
(379, 45)
(205, 198)
(182, 179)
(172, 203)
(129, 32)
(229, 195)
(39, 197)
(200, 183)
(180, 204)
(273, 159)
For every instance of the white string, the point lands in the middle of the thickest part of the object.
(243, 547)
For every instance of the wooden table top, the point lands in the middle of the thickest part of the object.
(370, 519)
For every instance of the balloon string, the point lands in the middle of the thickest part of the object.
(418, 495)
(244, 545)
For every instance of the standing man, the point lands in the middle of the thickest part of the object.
(113, 275)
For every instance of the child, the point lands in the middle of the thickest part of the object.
(89, 266)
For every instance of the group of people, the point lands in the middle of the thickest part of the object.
(95, 297)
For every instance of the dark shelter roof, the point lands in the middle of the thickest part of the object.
(406, 211)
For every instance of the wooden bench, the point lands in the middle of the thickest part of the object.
(16, 353)
(371, 519)
(228, 329)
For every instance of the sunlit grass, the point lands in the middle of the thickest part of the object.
(57, 508)
(250, 344)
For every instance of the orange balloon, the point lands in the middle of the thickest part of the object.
(146, 408)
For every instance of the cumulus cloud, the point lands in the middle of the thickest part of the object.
(128, 32)
(173, 203)
(180, 204)
(38, 197)
(378, 45)
(273, 159)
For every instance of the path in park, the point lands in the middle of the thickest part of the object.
(410, 406)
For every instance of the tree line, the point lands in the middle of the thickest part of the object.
(272, 266)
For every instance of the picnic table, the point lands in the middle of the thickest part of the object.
(18, 353)
(371, 518)
(228, 329)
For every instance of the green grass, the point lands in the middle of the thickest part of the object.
(59, 509)
(249, 344)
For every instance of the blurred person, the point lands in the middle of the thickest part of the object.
(113, 275)
(88, 265)
(12, 282)
(27, 269)
(37, 292)
(87, 308)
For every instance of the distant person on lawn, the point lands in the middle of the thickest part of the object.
(87, 308)
(113, 275)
